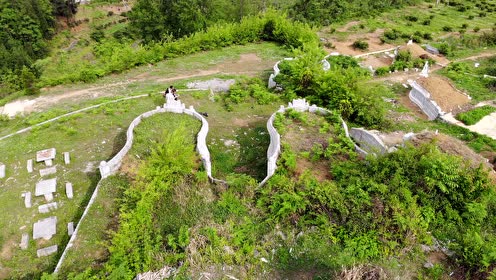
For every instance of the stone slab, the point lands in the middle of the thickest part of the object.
(24, 241)
(2, 170)
(45, 154)
(68, 190)
(45, 228)
(27, 199)
(45, 208)
(48, 162)
(48, 197)
(67, 158)
(48, 171)
(70, 228)
(46, 187)
(29, 165)
(46, 251)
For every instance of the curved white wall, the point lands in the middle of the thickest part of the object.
(274, 149)
(111, 167)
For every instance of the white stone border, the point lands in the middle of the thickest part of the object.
(111, 167)
(300, 105)
(422, 98)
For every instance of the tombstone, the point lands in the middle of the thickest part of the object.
(48, 171)
(272, 83)
(326, 65)
(27, 199)
(29, 165)
(48, 197)
(68, 190)
(70, 228)
(24, 241)
(45, 228)
(48, 162)
(44, 155)
(45, 208)
(425, 70)
(46, 251)
(67, 158)
(410, 42)
(476, 65)
(2, 170)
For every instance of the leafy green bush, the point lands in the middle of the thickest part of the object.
(361, 45)
(381, 71)
(475, 115)
(447, 28)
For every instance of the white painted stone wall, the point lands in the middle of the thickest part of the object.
(421, 98)
(274, 149)
(369, 141)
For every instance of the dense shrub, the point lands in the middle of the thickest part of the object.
(361, 45)
(447, 28)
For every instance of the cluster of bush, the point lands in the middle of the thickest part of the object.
(392, 35)
(475, 115)
(403, 60)
(114, 56)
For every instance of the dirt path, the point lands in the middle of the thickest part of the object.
(248, 64)
(474, 57)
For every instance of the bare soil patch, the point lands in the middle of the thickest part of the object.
(346, 46)
(377, 61)
(445, 95)
(453, 146)
(319, 169)
(417, 51)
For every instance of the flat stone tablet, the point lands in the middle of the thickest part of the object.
(46, 187)
(27, 199)
(70, 228)
(48, 171)
(67, 158)
(68, 190)
(45, 154)
(29, 165)
(45, 228)
(46, 251)
(45, 208)
(2, 170)
(24, 241)
(48, 162)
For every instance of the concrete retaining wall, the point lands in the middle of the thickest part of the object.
(421, 98)
(274, 149)
(370, 142)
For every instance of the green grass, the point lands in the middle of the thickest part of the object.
(96, 229)
(468, 78)
(442, 16)
(475, 115)
(90, 138)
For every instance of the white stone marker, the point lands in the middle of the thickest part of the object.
(48, 162)
(45, 208)
(29, 165)
(45, 228)
(48, 171)
(46, 251)
(27, 199)
(44, 155)
(70, 228)
(67, 158)
(68, 190)
(24, 241)
(2, 170)
(45, 187)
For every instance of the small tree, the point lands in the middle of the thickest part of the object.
(28, 81)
